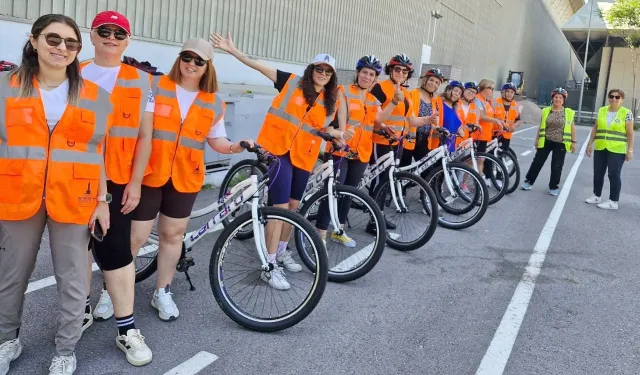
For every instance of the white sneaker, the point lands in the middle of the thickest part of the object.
(87, 321)
(276, 278)
(287, 261)
(163, 302)
(137, 351)
(594, 199)
(63, 365)
(9, 352)
(609, 205)
(104, 308)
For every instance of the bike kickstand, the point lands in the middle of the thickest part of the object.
(191, 287)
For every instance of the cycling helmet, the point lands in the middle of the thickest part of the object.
(402, 60)
(453, 84)
(560, 91)
(370, 62)
(436, 73)
(6, 66)
(509, 86)
(471, 85)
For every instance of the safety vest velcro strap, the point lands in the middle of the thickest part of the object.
(190, 143)
(22, 152)
(123, 131)
(164, 135)
(69, 156)
(612, 138)
(612, 132)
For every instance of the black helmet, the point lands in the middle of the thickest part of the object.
(402, 60)
(509, 86)
(471, 85)
(370, 62)
(435, 73)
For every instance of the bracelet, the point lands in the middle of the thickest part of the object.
(230, 150)
(393, 101)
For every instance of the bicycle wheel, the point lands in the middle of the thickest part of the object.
(466, 204)
(238, 173)
(234, 293)
(146, 262)
(419, 201)
(498, 176)
(513, 166)
(364, 225)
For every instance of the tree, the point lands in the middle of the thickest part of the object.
(624, 16)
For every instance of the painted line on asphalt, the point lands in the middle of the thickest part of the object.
(526, 153)
(524, 130)
(51, 280)
(194, 364)
(499, 351)
(355, 259)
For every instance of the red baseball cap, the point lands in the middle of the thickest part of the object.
(111, 17)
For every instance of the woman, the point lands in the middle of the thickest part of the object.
(426, 103)
(614, 137)
(507, 110)
(487, 119)
(187, 114)
(557, 135)
(304, 106)
(357, 112)
(51, 147)
(467, 110)
(450, 119)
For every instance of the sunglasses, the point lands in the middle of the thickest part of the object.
(615, 96)
(185, 57)
(105, 32)
(321, 70)
(55, 40)
(401, 70)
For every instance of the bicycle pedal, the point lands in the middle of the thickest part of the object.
(184, 264)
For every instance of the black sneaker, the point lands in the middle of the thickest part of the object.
(389, 224)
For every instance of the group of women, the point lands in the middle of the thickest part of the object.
(97, 151)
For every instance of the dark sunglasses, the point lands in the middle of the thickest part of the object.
(401, 70)
(615, 96)
(55, 40)
(186, 57)
(105, 32)
(321, 70)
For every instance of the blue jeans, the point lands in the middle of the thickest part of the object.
(604, 160)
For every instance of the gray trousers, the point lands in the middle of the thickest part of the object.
(19, 245)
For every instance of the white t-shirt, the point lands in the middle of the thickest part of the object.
(465, 109)
(186, 99)
(106, 78)
(55, 102)
(612, 115)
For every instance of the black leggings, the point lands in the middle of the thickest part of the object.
(558, 151)
(351, 172)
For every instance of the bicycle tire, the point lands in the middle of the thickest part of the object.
(472, 202)
(311, 301)
(378, 248)
(426, 236)
(151, 267)
(224, 187)
(505, 172)
(480, 198)
(514, 177)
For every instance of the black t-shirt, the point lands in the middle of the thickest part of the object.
(281, 81)
(382, 97)
(506, 110)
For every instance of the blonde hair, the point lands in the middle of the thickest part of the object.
(485, 83)
(208, 82)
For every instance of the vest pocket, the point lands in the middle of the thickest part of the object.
(84, 185)
(129, 108)
(11, 180)
(20, 116)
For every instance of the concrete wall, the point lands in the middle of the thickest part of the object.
(622, 74)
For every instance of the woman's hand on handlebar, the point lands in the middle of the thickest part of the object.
(248, 144)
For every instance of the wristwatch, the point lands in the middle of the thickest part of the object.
(104, 198)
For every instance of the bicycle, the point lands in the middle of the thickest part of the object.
(509, 159)
(393, 194)
(250, 190)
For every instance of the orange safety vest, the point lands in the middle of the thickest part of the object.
(471, 117)
(487, 127)
(129, 98)
(177, 147)
(291, 125)
(436, 105)
(363, 114)
(60, 166)
(500, 113)
(398, 118)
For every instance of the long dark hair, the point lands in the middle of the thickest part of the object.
(29, 65)
(310, 94)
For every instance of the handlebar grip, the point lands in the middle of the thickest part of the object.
(326, 136)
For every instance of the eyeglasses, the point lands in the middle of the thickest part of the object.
(105, 32)
(185, 57)
(491, 88)
(321, 70)
(615, 96)
(55, 40)
(398, 69)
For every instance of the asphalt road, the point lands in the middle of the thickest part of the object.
(431, 311)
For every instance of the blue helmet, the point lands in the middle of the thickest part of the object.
(370, 62)
(509, 86)
(453, 84)
(471, 85)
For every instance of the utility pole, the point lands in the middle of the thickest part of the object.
(584, 71)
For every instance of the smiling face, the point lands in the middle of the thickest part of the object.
(469, 94)
(366, 77)
(192, 67)
(53, 45)
(322, 74)
(508, 94)
(431, 84)
(558, 100)
(399, 73)
(109, 40)
(456, 93)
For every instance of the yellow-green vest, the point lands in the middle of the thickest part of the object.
(568, 120)
(613, 138)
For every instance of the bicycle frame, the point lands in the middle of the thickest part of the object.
(321, 173)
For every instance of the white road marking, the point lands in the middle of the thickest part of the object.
(499, 351)
(355, 259)
(194, 364)
(526, 153)
(524, 130)
(51, 280)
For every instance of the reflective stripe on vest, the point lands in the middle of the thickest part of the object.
(362, 113)
(62, 165)
(508, 117)
(566, 136)
(397, 120)
(487, 127)
(613, 137)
